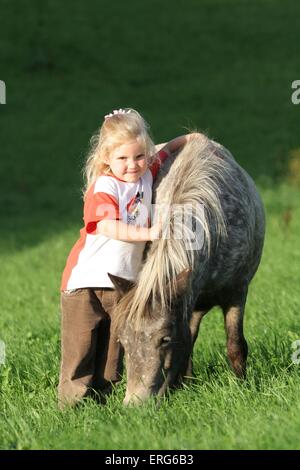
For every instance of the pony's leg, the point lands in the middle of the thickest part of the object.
(237, 349)
(194, 325)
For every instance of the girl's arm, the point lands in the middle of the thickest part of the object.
(118, 230)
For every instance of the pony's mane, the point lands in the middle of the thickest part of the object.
(194, 178)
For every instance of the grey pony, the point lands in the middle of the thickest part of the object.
(158, 318)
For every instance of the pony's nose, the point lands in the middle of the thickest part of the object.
(134, 399)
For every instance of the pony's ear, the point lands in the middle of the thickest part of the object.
(122, 285)
(182, 281)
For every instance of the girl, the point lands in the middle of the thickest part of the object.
(119, 175)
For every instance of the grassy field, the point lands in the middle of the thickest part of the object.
(225, 67)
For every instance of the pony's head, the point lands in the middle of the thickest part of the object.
(157, 343)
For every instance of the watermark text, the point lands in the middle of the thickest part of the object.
(296, 354)
(296, 94)
(2, 92)
(2, 352)
(183, 222)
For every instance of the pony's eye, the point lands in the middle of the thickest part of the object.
(165, 340)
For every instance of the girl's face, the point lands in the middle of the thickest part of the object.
(128, 162)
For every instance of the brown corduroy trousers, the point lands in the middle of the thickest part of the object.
(91, 356)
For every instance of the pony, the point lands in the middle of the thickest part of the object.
(211, 264)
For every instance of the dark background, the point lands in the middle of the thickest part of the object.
(223, 67)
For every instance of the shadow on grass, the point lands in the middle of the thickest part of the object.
(268, 361)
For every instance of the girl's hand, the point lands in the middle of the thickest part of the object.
(179, 142)
(155, 231)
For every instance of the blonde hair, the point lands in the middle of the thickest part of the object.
(116, 130)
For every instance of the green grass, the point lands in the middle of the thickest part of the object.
(225, 67)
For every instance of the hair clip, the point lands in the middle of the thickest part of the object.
(116, 111)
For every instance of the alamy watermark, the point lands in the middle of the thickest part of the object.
(2, 92)
(177, 221)
(296, 354)
(2, 352)
(296, 94)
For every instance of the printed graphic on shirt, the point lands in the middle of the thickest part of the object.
(134, 208)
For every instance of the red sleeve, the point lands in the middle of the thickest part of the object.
(100, 206)
(161, 156)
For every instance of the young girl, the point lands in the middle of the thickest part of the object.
(119, 175)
